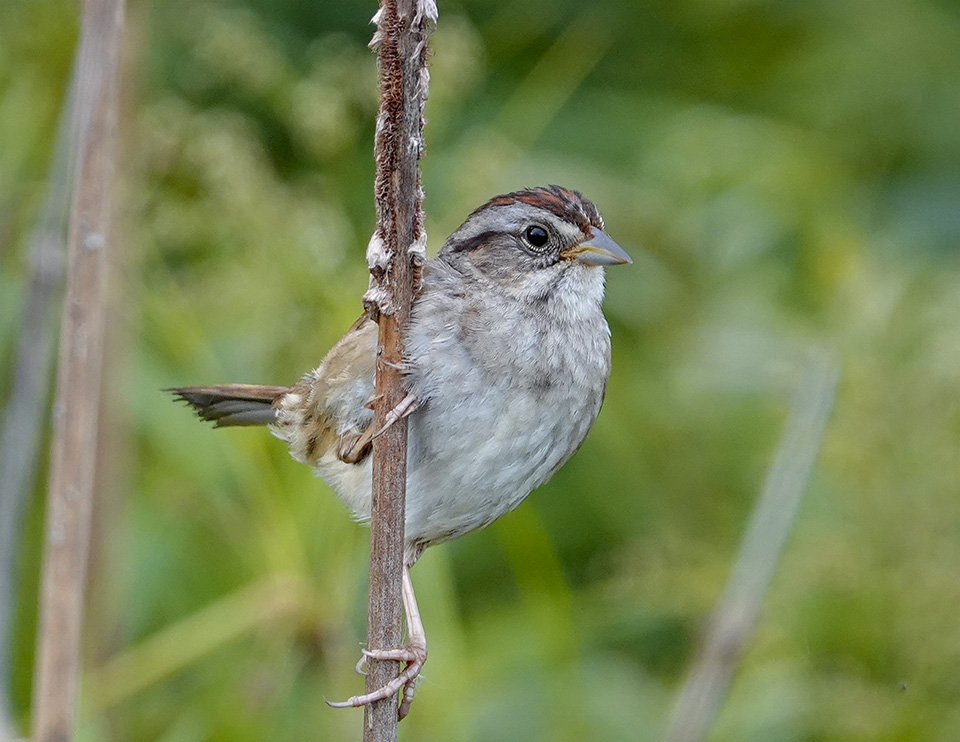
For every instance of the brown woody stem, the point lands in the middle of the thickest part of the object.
(395, 255)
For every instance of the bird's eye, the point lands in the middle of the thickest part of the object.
(536, 236)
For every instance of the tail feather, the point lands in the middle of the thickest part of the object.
(233, 404)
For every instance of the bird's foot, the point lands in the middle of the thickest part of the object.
(404, 408)
(414, 655)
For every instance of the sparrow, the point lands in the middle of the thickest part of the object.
(506, 362)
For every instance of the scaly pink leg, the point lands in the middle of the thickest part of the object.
(414, 653)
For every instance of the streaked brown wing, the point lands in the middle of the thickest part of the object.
(329, 405)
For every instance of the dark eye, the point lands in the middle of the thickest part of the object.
(536, 236)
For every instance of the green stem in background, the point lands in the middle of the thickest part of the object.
(770, 525)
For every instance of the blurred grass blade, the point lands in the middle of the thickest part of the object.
(770, 524)
(176, 647)
(25, 411)
(555, 78)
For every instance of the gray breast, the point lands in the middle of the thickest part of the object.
(508, 399)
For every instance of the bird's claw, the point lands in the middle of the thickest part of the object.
(414, 655)
(404, 408)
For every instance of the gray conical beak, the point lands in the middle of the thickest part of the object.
(598, 249)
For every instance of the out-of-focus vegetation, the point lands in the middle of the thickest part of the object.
(783, 173)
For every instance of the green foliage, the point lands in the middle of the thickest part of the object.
(783, 174)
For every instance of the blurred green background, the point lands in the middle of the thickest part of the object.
(784, 173)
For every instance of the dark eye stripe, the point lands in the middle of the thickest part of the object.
(472, 243)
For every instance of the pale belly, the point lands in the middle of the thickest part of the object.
(475, 461)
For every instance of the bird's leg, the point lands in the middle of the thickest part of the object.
(414, 654)
(418, 639)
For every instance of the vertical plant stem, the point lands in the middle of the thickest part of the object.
(394, 256)
(73, 454)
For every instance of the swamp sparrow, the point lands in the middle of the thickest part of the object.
(506, 363)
